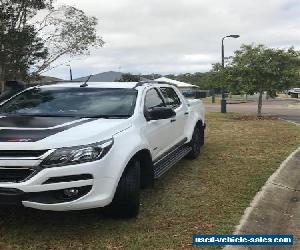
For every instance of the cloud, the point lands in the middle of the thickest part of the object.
(174, 36)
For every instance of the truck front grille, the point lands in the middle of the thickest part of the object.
(20, 165)
(21, 153)
(10, 174)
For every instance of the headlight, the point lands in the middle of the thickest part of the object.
(76, 155)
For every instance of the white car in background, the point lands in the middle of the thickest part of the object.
(294, 91)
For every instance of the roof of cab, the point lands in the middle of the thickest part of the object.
(117, 85)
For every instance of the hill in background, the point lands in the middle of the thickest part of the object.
(200, 79)
(49, 79)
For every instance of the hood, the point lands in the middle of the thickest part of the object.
(30, 133)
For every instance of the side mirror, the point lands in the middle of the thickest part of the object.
(160, 113)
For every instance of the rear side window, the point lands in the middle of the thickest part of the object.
(153, 99)
(171, 97)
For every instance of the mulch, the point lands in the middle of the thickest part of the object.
(254, 118)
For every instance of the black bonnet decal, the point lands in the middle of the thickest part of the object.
(46, 126)
(34, 121)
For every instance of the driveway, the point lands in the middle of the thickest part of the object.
(287, 109)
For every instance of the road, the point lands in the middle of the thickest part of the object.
(288, 109)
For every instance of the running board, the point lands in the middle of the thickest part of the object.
(164, 164)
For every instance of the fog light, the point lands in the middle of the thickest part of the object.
(58, 196)
(71, 192)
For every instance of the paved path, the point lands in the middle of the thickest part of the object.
(284, 109)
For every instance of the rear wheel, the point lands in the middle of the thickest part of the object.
(202, 131)
(196, 142)
(126, 202)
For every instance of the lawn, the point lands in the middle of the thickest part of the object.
(230, 99)
(205, 196)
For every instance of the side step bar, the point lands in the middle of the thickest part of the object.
(164, 164)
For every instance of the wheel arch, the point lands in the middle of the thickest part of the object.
(147, 172)
(199, 124)
(196, 123)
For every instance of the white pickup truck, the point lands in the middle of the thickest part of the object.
(73, 146)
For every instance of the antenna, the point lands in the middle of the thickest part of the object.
(85, 83)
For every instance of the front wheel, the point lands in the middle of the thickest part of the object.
(196, 142)
(126, 202)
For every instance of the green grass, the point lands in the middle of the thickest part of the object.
(205, 196)
(230, 99)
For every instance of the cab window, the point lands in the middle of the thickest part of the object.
(153, 100)
(171, 97)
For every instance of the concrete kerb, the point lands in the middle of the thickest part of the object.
(295, 123)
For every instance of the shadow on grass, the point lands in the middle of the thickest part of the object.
(20, 225)
(21, 221)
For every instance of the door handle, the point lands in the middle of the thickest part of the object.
(173, 120)
(186, 113)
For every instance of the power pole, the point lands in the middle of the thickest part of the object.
(71, 73)
(1, 71)
(1, 81)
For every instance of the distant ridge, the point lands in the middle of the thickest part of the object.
(48, 79)
(110, 76)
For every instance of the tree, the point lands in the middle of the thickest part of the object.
(66, 31)
(150, 76)
(35, 36)
(129, 78)
(258, 69)
(198, 78)
(20, 46)
(217, 77)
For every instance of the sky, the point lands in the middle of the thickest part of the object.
(180, 36)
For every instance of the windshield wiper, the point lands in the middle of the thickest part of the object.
(108, 116)
(38, 115)
(79, 116)
(52, 115)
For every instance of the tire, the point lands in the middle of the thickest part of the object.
(202, 132)
(196, 142)
(126, 202)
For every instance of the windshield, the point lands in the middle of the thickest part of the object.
(83, 102)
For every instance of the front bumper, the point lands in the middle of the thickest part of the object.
(10, 197)
(98, 191)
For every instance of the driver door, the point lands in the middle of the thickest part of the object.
(158, 133)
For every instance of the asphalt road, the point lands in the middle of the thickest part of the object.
(287, 109)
